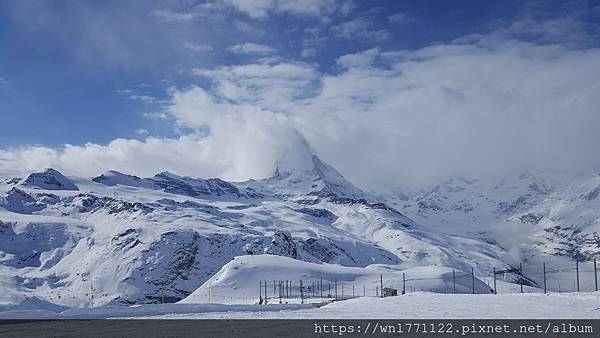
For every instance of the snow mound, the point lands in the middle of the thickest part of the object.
(238, 281)
(49, 179)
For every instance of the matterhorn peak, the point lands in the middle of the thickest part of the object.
(303, 172)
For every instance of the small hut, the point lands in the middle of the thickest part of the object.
(388, 292)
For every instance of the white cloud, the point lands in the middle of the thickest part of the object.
(309, 52)
(361, 59)
(3, 81)
(359, 28)
(484, 104)
(170, 16)
(401, 18)
(273, 87)
(252, 48)
(310, 8)
(197, 47)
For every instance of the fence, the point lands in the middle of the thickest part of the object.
(561, 275)
(524, 277)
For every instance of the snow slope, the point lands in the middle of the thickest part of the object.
(238, 281)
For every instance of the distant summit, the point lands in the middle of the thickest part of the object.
(49, 179)
(112, 178)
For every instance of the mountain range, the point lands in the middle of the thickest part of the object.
(126, 239)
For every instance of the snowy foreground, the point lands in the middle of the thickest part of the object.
(412, 305)
(233, 293)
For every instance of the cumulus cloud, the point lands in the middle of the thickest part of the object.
(488, 103)
(235, 150)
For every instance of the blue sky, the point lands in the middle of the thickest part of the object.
(76, 76)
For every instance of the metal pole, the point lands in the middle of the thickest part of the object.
(454, 281)
(352, 290)
(364, 290)
(313, 289)
(266, 291)
(321, 287)
(342, 283)
(381, 284)
(403, 283)
(577, 268)
(260, 292)
(521, 278)
(595, 274)
(335, 288)
(301, 293)
(473, 279)
(545, 289)
(91, 291)
(495, 291)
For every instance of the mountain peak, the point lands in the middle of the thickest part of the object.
(113, 177)
(305, 173)
(49, 179)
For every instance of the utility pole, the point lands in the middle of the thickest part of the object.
(266, 298)
(381, 284)
(577, 269)
(260, 299)
(453, 281)
(91, 291)
(595, 274)
(403, 283)
(521, 279)
(301, 293)
(473, 279)
(545, 289)
(495, 291)
(364, 290)
(321, 287)
(336, 289)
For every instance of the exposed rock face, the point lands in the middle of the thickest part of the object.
(282, 245)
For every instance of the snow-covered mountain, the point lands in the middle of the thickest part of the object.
(132, 239)
(567, 223)
(547, 213)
